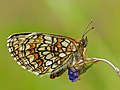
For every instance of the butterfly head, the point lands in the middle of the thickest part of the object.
(84, 41)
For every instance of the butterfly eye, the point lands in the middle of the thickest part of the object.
(83, 42)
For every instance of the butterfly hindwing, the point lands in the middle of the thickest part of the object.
(42, 53)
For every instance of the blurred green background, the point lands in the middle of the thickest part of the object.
(68, 18)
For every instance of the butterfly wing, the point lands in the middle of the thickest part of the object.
(42, 53)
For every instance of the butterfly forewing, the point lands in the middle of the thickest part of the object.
(42, 53)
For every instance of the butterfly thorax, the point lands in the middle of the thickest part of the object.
(80, 53)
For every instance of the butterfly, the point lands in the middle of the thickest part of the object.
(42, 53)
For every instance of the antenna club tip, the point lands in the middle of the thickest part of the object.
(93, 28)
(91, 21)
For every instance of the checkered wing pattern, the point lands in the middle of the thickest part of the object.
(42, 53)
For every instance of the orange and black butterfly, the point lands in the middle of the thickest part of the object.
(42, 53)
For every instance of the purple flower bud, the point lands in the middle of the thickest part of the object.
(73, 74)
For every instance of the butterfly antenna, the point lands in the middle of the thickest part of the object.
(87, 30)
